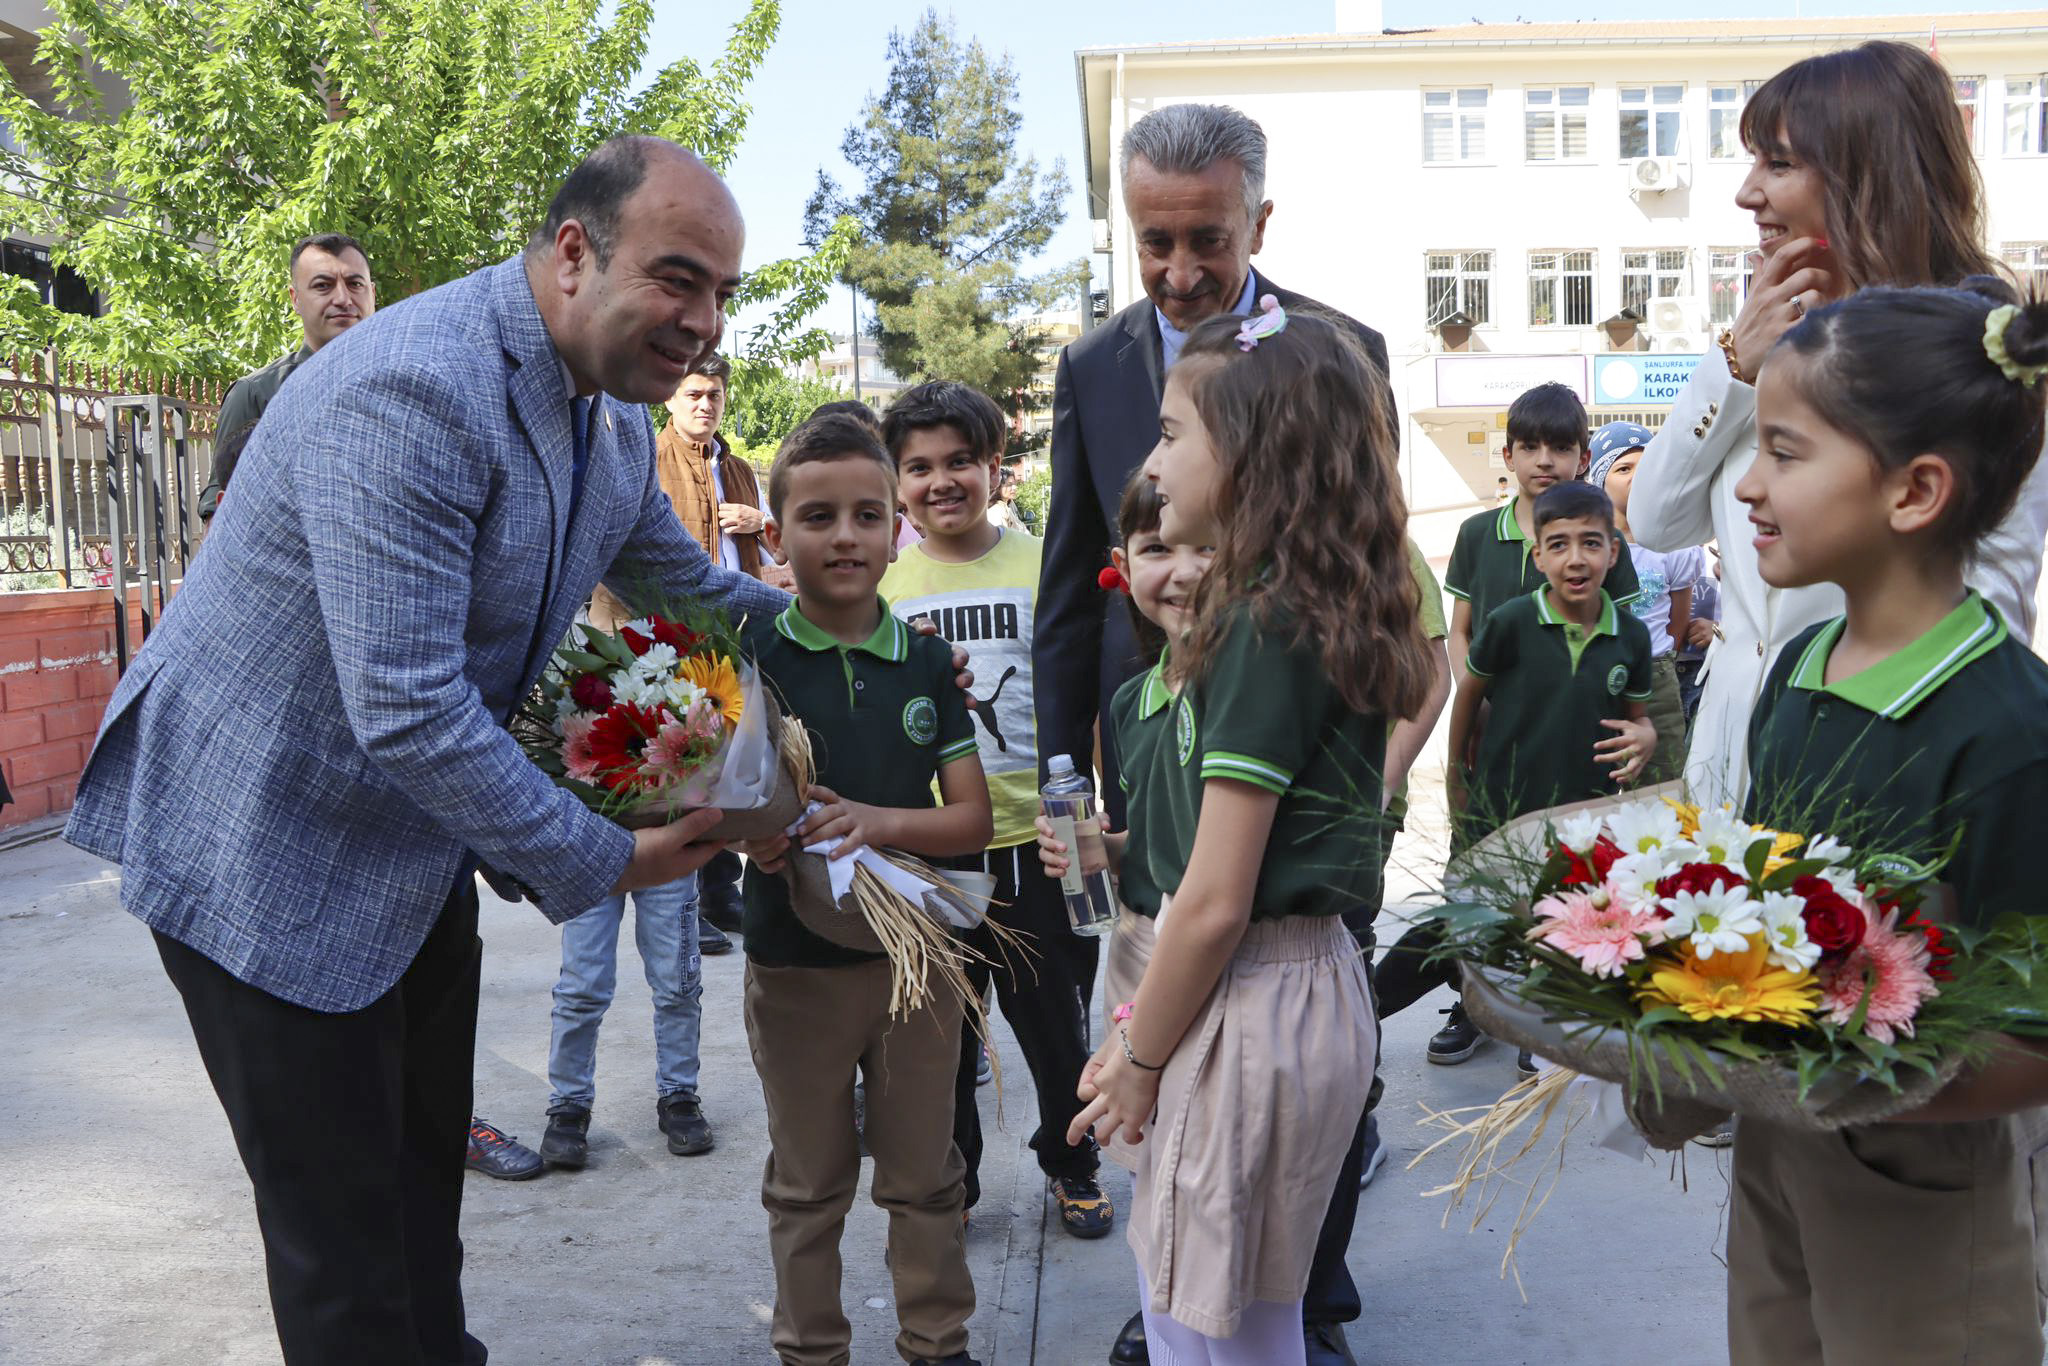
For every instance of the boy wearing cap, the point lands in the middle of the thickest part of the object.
(1665, 603)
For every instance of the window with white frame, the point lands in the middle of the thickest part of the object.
(1454, 125)
(1724, 119)
(1554, 122)
(2029, 262)
(1970, 100)
(1652, 120)
(1560, 289)
(1647, 275)
(1728, 272)
(2026, 115)
(1459, 282)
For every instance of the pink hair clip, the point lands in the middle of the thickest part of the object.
(1269, 321)
(1121, 1013)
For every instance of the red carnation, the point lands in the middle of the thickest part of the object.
(591, 692)
(1590, 870)
(1697, 878)
(674, 633)
(618, 744)
(637, 642)
(1832, 921)
(1940, 953)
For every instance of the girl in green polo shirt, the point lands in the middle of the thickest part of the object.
(1240, 1064)
(1896, 430)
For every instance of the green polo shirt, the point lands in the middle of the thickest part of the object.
(1946, 738)
(1551, 683)
(1491, 565)
(884, 716)
(1264, 713)
(1142, 713)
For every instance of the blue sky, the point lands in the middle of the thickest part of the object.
(830, 56)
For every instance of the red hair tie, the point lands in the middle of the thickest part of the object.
(1112, 580)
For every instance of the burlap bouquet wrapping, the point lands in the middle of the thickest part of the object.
(1690, 1104)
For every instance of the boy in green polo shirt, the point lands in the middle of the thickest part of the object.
(1567, 675)
(885, 718)
(1494, 561)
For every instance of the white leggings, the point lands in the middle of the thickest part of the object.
(1268, 1334)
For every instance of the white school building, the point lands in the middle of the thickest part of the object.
(1516, 203)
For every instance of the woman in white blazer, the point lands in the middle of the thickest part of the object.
(1862, 176)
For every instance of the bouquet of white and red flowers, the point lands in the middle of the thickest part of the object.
(666, 714)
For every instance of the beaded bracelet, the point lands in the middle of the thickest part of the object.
(1132, 1058)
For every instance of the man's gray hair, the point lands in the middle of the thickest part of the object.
(1187, 139)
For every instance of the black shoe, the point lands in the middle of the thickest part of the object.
(711, 940)
(1326, 1345)
(1525, 1063)
(682, 1119)
(722, 914)
(1457, 1040)
(984, 1070)
(957, 1359)
(1085, 1211)
(1129, 1347)
(497, 1154)
(566, 1144)
(1375, 1154)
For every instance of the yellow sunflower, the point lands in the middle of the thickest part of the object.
(1733, 986)
(721, 680)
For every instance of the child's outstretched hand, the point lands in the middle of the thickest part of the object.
(854, 824)
(1629, 749)
(1051, 853)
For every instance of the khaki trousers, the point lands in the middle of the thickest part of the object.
(809, 1028)
(1901, 1244)
(1667, 714)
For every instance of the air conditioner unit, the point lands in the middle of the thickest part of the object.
(1655, 175)
(1682, 342)
(1674, 314)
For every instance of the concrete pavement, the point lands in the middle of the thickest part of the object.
(132, 1239)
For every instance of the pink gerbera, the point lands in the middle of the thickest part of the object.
(1891, 968)
(576, 755)
(1605, 938)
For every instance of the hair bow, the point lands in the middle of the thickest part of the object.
(1112, 580)
(1269, 321)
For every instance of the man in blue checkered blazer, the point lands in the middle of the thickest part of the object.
(309, 758)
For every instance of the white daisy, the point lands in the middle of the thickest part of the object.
(1581, 832)
(659, 662)
(1633, 879)
(1717, 921)
(1643, 826)
(1724, 837)
(1785, 930)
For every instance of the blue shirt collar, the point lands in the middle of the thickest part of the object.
(1171, 338)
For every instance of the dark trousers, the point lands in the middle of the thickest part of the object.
(353, 1129)
(1040, 995)
(718, 882)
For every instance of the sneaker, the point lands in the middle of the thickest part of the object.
(682, 1119)
(1085, 1211)
(1457, 1040)
(566, 1144)
(1525, 1063)
(984, 1073)
(1722, 1135)
(711, 940)
(1375, 1153)
(496, 1153)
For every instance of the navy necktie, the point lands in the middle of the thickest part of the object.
(581, 411)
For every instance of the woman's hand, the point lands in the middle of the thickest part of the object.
(1051, 853)
(854, 824)
(1120, 1098)
(1791, 282)
(1629, 749)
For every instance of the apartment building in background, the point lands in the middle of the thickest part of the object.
(1516, 203)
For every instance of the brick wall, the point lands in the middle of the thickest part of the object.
(56, 674)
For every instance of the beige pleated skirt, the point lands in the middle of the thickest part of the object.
(1256, 1108)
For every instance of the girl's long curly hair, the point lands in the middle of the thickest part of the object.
(1313, 528)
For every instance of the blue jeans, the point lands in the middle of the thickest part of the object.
(665, 930)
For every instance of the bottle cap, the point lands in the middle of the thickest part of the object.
(1059, 765)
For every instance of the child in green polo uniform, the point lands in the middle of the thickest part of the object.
(1898, 429)
(885, 718)
(1493, 561)
(1568, 677)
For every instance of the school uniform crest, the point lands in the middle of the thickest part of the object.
(1617, 679)
(1184, 731)
(921, 720)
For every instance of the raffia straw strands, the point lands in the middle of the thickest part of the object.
(1483, 1172)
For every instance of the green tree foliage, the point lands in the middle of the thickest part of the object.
(766, 404)
(432, 130)
(949, 213)
(1034, 498)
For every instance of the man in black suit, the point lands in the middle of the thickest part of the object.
(1194, 179)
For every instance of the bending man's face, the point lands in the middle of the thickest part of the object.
(1195, 238)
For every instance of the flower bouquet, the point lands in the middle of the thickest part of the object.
(1708, 966)
(667, 715)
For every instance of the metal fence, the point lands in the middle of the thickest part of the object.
(100, 474)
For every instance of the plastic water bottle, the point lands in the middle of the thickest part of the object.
(1070, 805)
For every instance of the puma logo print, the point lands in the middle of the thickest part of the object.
(985, 708)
